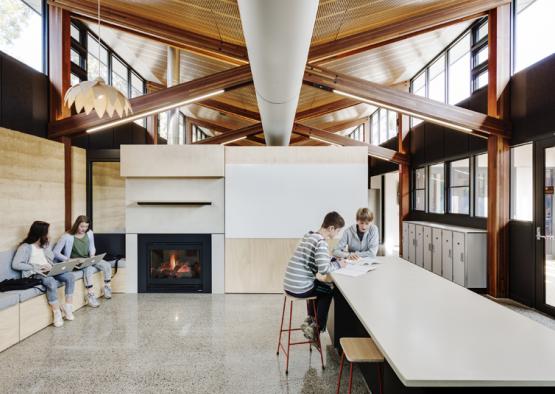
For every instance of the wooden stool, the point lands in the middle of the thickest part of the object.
(316, 341)
(359, 350)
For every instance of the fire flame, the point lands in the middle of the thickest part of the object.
(172, 261)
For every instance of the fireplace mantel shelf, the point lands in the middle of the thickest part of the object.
(174, 203)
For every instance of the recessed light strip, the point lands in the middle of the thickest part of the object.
(154, 111)
(424, 117)
(235, 140)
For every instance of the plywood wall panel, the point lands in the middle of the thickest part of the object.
(31, 185)
(108, 198)
(78, 182)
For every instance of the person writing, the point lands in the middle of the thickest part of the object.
(79, 242)
(361, 239)
(311, 257)
(33, 256)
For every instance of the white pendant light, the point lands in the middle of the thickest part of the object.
(89, 95)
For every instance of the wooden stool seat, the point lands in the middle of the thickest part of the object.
(361, 350)
(298, 298)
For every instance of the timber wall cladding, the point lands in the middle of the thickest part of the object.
(108, 198)
(32, 185)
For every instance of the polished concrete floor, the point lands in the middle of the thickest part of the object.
(169, 343)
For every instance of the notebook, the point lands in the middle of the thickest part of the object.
(356, 269)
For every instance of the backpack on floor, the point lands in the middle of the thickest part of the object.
(19, 284)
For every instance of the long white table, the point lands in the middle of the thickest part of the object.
(434, 333)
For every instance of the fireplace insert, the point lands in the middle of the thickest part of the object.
(174, 263)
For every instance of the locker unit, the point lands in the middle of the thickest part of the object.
(447, 254)
(436, 251)
(405, 241)
(419, 246)
(412, 243)
(456, 253)
(428, 248)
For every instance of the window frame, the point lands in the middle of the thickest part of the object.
(443, 189)
(474, 189)
(415, 189)
(450, 187)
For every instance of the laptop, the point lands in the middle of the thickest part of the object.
(60, 268)
(84, 263)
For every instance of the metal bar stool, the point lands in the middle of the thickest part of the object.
(360, 350)
(316, 341)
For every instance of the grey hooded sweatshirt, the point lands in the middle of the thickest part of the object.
(350, 242)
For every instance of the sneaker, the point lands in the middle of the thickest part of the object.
(107, 292)
(67, 311)
(58, 321)
(308, 321)
(310, 332)
(91, 301)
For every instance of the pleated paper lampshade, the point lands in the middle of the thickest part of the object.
(89, 95)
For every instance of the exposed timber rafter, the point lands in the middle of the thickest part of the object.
(326, 109)
(376, 151)
(232, 136)
(411, 26)
(157, 101)
(451, 116)
(230, 109)
(156, 30)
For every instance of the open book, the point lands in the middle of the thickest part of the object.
(357, 268)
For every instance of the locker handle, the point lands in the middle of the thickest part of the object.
(462, 256)
(449, 253)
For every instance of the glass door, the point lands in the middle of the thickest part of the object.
(545, 225)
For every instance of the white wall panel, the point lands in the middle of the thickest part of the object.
(284, 201)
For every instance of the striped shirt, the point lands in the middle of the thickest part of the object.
(310, 257)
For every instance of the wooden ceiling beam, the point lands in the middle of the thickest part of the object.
(254, 138)
(326, 109)
(451, 116)
(402, 29)
(234, 135)
(209, 125)
(156, 30)
(345, 125)
(376, 151)
(230, 109)
(228, 80)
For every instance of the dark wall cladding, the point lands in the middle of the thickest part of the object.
(430, 143)
(533, 102)
(23, 97)
(112, 138)
(379, 167)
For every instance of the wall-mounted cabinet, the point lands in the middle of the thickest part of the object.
(456, 253)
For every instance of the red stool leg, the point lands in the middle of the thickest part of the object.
(350, 377)
(340, 372)
(317, 339)
(281, 325)
(289, 338)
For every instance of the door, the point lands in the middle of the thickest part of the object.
(459, 273)
(436, 251)
(405, 241)
(447, 254)
(428, 248)
(545, 225)
(412, 243)
(420, 246)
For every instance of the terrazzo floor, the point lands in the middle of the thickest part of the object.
(175, 343)
(171, 343)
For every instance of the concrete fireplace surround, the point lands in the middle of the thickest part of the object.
(262, 201)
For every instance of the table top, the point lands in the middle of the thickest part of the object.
(434, 332)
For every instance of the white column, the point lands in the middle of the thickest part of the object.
(173, 79)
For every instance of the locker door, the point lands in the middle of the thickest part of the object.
(447, 254)
(420, 246)
(406, 241)
(436, 251)
(412, 243)
(458, 259)
(428, 248)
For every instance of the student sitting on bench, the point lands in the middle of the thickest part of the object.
(361, 239)
(312, 257)
(79, 242)
(33, 256)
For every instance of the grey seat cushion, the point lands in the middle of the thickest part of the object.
(6, 271)
(121, 263)
(27, 294)
(7, 300)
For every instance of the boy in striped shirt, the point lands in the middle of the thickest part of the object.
(312, 257)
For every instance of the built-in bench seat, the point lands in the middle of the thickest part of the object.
(24, 312)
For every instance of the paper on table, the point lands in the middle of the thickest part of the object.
(355, 269)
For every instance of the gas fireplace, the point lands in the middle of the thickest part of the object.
(174, 263)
